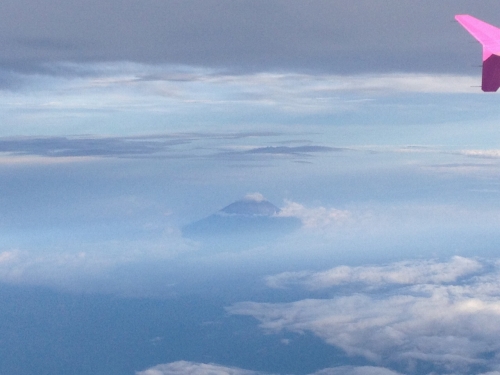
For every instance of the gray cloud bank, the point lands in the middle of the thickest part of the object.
(329, 35)
(76, 147)
(441, 318)
(163, 145)
(160, 146)
(285, 150)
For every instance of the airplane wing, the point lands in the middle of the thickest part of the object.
(489, 37)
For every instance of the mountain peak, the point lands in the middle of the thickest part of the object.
(248, 222)
(251, 205)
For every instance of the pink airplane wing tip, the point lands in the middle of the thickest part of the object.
(466, 18)
(489, 36)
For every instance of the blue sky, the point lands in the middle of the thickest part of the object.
(121, 123)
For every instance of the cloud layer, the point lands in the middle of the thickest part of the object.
(401, 273)
(441, 317)
(315, 217)
(328, 35)
(193, 368)
(136, 99)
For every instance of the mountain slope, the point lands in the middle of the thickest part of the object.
(251, 221)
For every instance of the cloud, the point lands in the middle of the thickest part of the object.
(256, 197)
(95, 266)
(327, 35)
(424, 83)
(353, 370)
(173, 145)
(297, 153)
(22, 267)
(192, 368)
(162, 88)
(402, 273)
(307, 91)
(89, 146)
(7, 256)
(487, 154)
(285, 150)
(450, 327)
(314, 218)
(38, 149)
(112, 98)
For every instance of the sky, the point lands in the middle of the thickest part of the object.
(123, 123)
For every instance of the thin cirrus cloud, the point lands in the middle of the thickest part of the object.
(297, 150)
(446, 322)
(485, 154)
(302, 152)
(137, 86)
(174, 80)
(175, 145)
(74, 98)
(79, 147)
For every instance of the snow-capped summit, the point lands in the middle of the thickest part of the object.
(252, 219)
(251, 205)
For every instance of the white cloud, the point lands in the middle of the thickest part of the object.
(128, 86)
(257, 197)
(353, 370)
(407, 272)
(452, 327)
(429, 83)
(192, 368)
(8, 256)
(9, 159)
(488, 154)
(314, 218)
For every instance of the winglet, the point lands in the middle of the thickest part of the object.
(489, 37)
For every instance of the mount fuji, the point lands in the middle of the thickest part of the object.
(247, 222)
